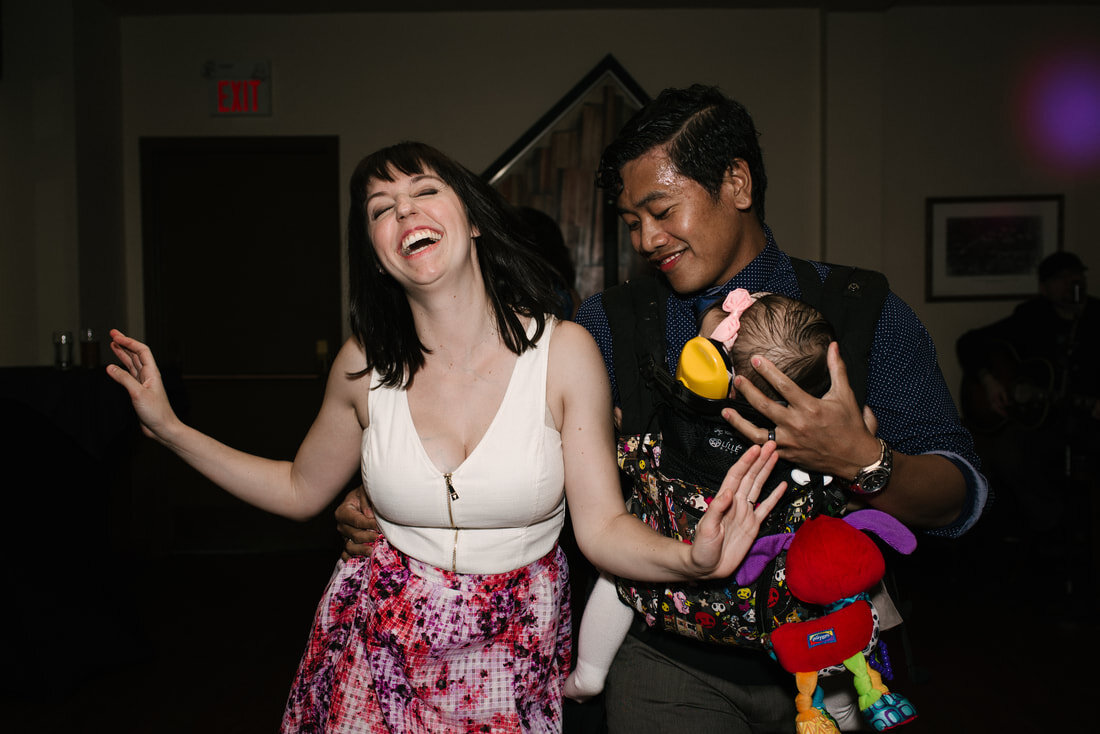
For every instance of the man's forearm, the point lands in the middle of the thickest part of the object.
(926, 491)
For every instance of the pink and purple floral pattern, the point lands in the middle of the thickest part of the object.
(401, 646)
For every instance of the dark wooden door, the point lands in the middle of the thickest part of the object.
(242, 249)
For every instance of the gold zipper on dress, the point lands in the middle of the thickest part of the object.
(452, 495)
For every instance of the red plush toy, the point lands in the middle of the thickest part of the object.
(832, 564)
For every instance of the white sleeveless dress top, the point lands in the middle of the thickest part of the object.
(501, 509)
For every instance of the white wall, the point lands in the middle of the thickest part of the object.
(921, 103)
(471, 84)
(954, 78)
(97, 101)
(39, 286)
(863, 116)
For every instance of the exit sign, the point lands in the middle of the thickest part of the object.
(238, 88)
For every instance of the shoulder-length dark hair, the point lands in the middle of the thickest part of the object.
(516, 280)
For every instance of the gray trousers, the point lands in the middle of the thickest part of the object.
(647, 692)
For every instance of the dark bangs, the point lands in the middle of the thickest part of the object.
(516, 281)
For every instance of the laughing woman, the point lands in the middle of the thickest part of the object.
(471, 414)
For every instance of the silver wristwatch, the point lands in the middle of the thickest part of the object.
(873, 479)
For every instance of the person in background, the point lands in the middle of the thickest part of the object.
(1031, 395)
(549, 243)
(1057, 326)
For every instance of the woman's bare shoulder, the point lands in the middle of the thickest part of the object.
(346, 376)
(574, 357)
(571, 335)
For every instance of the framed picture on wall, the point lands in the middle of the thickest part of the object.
(989, 247)
(552, 168)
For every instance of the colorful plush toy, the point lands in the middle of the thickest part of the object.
(831, 564)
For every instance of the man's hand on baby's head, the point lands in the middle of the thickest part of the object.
(826, 434)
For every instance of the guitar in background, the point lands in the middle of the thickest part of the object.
(1014, 390)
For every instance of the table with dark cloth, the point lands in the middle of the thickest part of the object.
(65, 441)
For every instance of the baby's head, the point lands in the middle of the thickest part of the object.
(792, 334)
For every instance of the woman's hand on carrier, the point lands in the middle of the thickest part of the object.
(138, 373)
(729, 526)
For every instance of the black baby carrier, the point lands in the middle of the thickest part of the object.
(674, 451)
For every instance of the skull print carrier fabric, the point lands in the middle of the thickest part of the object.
(718, 610)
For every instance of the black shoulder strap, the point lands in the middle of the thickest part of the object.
(851, 299)
(636, 314)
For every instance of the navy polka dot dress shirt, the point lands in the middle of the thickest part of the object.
(905, 387)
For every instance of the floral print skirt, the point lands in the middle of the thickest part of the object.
(401, 646)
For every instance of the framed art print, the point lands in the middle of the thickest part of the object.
(552, 168)
(989, 247)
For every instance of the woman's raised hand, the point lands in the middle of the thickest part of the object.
(141, 378)
(728, 528)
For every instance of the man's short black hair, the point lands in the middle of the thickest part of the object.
(704, 132)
